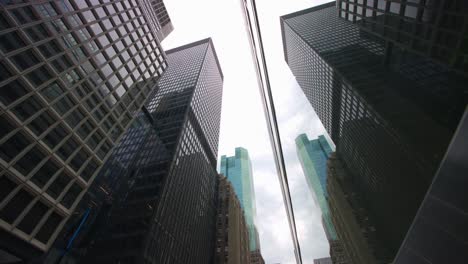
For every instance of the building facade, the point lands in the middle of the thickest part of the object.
(313, 155)
(431, 28)
(323, 261)
(238, 170)
(438, 233)
(354, 225)
(73, 76)
(256, 257)
(162, 20)
(232, 237)
(165, 210)
(381, 104)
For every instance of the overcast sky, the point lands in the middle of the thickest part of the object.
(242, 118)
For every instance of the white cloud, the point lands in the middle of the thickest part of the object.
(242, 120)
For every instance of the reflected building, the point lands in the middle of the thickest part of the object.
(161, 179)
(238, 170)
(431, 28)
(232, 236)
(353, 222)
(74, 74)
(323, 261)
(381, 105)
(256, 257)
(313, 156)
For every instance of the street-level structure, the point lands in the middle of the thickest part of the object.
(232, 236)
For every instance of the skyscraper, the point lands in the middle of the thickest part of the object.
(73, 76)
(232, 237)
(165, 208)
(238, 170)
(313, 156)
(381, 104)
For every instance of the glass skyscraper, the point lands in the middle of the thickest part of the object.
(73, 76)
(313, 155)
(164, 171)
(391, 112)
(238, 170)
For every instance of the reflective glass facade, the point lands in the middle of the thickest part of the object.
(432, 28)
(164, 210)
(313, 155)
(354, 224)
(381, 104)
(238, 170)
(439, 232)
(73, 76)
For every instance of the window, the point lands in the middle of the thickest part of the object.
(27, 108)
(39, 76)
(33, 217)
(58, 185)
(12, 91)
(13, 146)
(49, 227)
(15, 206)
(50, 48)
(89, 170)
(55, 136)
(11, 41)
(71, 195)
(6, 187)
(4, 23)
(74, 118)
(64, 105)
(52, 91)
(29, 161)
(37, 32)
(78, 160)
(5, 73)
(67, 148)
(25, 60)
(44, 174)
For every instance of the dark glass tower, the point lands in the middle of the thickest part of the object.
(390, 111)
(73, 76)
(432, 28)
(439, 233)
(164, 210)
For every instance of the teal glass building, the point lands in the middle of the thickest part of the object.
(238, 170)
(313, 156)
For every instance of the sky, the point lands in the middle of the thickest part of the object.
(242, 118)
